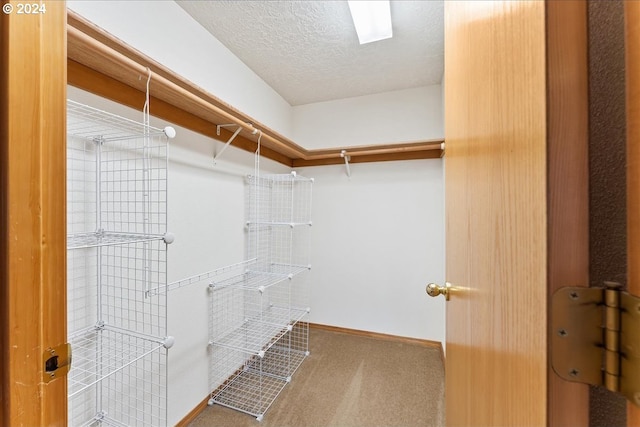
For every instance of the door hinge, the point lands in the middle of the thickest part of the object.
(56, 361)
(596, 338)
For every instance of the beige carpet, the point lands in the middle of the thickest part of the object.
(350, 380)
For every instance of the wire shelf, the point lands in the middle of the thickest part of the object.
(289, 270)
(89, 240)
(251, 280)
(258, 334)
(91, 123)
(116, 222)
(250, 392)
(285, 178)
(218, 274)
(280, 361)
(279, 224)
(97, 354)
(279, 199)
(255, 382)
(255, 319)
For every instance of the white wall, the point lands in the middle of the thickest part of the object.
(398, 116)
(377, 240)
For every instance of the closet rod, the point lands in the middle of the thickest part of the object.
(355, 151)
(107, 54)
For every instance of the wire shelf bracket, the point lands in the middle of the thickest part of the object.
(236, 133)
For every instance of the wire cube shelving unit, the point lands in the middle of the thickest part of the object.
(116, 255)
(258, 318)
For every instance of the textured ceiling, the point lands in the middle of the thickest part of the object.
(308, 51)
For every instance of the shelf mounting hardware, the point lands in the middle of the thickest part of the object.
(595, 336)
(237, 131)
(346, 158)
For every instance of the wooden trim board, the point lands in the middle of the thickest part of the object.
(193, 414)
(377, 335)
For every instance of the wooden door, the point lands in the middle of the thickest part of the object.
(32, 210)
(516, 205)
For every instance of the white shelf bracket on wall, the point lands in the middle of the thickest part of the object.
(218, 127)
(346, 158)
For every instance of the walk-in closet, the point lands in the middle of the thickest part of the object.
(238, 213)
(259, 249)
(214, 225)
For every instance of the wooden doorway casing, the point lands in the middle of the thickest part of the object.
(632, 51)
(32, 208)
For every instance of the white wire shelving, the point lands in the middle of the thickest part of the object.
(99, 353)
(256, 381)
(257, 335)
(88, 240)
(116, 245)
(258, 315)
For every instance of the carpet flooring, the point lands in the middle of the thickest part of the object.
(352, 380)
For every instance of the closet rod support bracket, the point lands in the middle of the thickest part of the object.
(218, 127)
(346, 158)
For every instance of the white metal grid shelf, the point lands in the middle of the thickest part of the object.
(287, 270)
(278, 246)
(249, 392)
(91, 123)
(258, 380)
(250, 280)
(116, 223)
(258, 279)
(89, 240)
(99, 353)
(258, 334)
(279, 224)
(279, 199)
(116, 175)
(284, 357)
(280, 361)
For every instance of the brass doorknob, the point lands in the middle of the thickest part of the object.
(434, 290)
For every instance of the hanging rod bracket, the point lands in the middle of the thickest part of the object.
(217, 156)
(346, 158)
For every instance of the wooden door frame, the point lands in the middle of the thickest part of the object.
(568, 181)
(632, 53)
(32, 208)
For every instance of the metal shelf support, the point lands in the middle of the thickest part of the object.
(236, 133)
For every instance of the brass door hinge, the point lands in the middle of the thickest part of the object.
(56, 361)
(596, 338)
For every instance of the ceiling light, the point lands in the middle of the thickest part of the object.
(372, 19)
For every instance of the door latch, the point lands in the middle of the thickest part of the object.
(57, 362)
